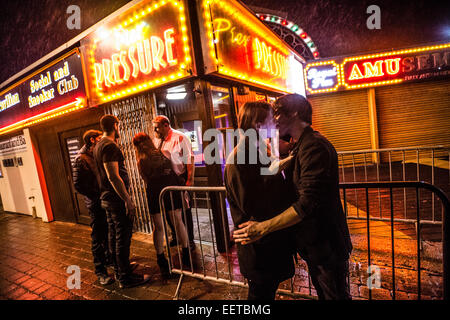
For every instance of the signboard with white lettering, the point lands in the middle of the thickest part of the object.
(322, 77)
(51, 87)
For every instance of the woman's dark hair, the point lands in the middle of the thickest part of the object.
(143, 144)
(252, 113)
(90, 134)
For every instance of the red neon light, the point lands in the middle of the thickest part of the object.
(77, 102)
(303, 35)
(374, 69)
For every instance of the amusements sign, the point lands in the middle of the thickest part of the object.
(145, 47)
(239, 45)
(417, 64)
(51, 87)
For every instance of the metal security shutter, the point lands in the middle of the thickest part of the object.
(414, 114)
(343, 118)
(135, 115)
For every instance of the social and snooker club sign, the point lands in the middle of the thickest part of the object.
(55, 85)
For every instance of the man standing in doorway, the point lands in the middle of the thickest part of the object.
(115, 199)
(86, 181)
(177, 148)
(320, 228)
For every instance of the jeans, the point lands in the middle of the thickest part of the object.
(120, 232)
(99, 235)
(330, 280)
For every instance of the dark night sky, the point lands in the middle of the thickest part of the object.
(31, 29)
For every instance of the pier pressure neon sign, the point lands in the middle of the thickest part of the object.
(242, 47)
(144, 48)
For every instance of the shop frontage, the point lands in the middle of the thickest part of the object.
(36, 110)
(196, 62)
(385, 100)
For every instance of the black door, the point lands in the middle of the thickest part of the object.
(71, 142)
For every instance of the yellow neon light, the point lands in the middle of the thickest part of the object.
(384, 54)
(221, 116)
(69, 107)
(244, 20)
(321, 63)
(140, 87)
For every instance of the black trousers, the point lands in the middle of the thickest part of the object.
(262, 291)
(99, 235)
(120, 232)
(330, 280)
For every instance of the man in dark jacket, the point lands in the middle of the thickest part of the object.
(85, 180)
(321, 232)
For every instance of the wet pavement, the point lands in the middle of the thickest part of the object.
(34, 257)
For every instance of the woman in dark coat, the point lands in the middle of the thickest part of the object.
(156, 170)
(255, 196)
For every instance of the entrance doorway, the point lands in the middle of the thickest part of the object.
(71, 142)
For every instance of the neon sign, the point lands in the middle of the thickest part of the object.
(143, 48)
(54, 85)
(378, 69)
(322, 76)
(241, 47)
(396, 67)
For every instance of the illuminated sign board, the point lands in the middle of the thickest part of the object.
(145, 47)
(239, 45)
(423, 63)
(322, 77)
(57, 85)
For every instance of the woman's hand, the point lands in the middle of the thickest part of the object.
(249, 232)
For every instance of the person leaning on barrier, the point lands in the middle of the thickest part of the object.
(156, 170)
(177, 148)
(321, 233)
(117, 202)
(253, 196)
(86, 182)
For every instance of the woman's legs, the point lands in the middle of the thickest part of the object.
(180, 228)
(158, 233)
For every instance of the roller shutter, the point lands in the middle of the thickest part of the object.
(343, 118)
(414, 114)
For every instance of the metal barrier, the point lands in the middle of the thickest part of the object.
(380, 165)
(212, 266)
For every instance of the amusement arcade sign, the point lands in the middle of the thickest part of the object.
(378, 69)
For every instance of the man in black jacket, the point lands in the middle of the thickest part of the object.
(321, 233)
(86, 182)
